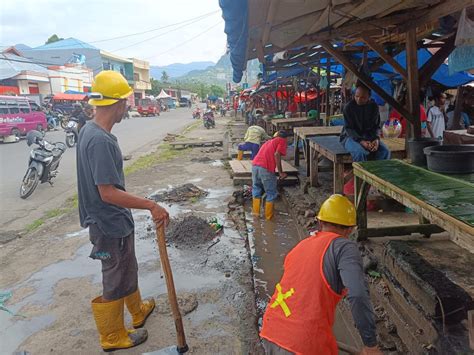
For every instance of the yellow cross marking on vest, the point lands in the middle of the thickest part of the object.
(280, 300)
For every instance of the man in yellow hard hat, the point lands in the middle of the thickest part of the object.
(318, 272)
(104, 207)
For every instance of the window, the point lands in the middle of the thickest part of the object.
(13, 108)
(24, 108)
(35, 106)
(3, 107)
(106, 66)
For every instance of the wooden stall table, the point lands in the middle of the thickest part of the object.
(287, 124)
(458, 137)
(330, 148)
(303, 133)
(443, 202)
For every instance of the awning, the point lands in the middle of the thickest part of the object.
(71, 97)
(163, 95)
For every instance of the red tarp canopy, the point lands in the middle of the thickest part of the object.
(298, 96)
(71, 97)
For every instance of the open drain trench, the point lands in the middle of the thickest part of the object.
(269, 243)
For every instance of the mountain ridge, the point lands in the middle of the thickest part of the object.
(176, 70)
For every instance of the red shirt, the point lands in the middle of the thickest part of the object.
(266, 155)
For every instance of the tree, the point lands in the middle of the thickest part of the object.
(156, 87)
(53, 38)
(164, 76)
(217, 91)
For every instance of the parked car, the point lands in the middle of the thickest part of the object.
(148, 107)
(18, 116)
(184, 102)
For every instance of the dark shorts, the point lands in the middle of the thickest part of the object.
(119, 263)
(273, 349)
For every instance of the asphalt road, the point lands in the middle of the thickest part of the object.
(135, 136)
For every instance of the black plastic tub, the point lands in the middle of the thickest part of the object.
(450, 159)
(415, 149)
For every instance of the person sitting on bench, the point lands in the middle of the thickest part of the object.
(360, 134)
(252, 140)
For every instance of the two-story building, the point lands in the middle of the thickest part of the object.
(141, 78)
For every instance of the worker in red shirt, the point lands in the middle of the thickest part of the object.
(318, 272)
(264, 179)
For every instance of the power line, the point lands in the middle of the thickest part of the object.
(156, 29)
(159, 35)
(182, 43)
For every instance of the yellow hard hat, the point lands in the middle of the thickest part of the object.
(109, 86)
(338, 209)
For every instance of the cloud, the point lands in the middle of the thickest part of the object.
(32, 21)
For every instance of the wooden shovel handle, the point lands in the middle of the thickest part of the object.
(165, 263)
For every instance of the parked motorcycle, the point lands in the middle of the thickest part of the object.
(71, 132)
(43, 162)
(208, 119)
(197, 113)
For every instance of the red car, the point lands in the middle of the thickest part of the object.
(148, 107)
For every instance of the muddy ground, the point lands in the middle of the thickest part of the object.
(52, 280)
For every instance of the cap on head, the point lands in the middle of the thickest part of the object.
(108, 88)
(312, 114)
(337, 209)
(281, 134)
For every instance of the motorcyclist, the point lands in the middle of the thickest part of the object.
(87, 114)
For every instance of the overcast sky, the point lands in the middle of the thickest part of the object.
(32, 21)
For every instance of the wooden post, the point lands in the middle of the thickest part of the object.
(458, 109)
(328, 86)
(413, 81)
(318, 91)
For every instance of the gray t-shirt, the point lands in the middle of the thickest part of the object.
(342, 267)
(99, 162)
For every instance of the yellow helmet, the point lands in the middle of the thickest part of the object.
(338, 209)
(109, 86)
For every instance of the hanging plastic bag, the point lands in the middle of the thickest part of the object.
(465, 33)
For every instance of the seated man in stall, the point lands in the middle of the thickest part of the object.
(254, 137)
(360, 134)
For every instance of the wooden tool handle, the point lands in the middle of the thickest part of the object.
(165, 263)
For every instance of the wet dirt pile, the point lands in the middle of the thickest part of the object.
(189, 232)
(179, 194)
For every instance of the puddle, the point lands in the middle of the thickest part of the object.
(270, 241)
(15, 330)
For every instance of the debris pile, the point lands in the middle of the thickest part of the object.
(172, 137)
(189, 232)
(179, 194)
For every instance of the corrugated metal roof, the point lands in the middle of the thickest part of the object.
(68, 43)
(12, 65)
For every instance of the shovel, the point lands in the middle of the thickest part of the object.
(181, 347)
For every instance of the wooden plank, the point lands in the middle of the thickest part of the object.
(425, 229)
(247, 180)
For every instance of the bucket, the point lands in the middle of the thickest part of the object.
(451, 159)
(415, 149)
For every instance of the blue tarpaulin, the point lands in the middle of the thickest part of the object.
(234, 13)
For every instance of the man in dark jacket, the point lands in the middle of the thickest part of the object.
(360, 135)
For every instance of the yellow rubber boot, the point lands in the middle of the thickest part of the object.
(256, 206)
(269, 210)
(140, 310)
(109, 321)
(240, 154)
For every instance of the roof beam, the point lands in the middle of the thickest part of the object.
(377, 48)
(428, 69)
(269, 22)
(367, 80)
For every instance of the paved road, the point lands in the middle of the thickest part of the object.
(135, 136)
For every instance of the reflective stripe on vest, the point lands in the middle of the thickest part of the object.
(300, 315)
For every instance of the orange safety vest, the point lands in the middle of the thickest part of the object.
(300, 315)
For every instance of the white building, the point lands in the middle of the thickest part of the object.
(70, 77)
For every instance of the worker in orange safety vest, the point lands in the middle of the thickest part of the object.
(318, 272)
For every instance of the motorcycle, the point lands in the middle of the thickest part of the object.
(71, 132)
(197, 113)
(43, 163)
(208, 119)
